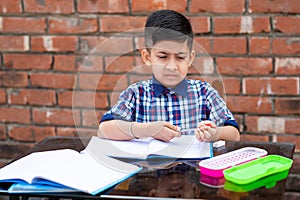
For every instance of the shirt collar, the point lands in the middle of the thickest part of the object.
(180, 89)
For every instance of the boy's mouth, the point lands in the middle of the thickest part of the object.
(171, 76)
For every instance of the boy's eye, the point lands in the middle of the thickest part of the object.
(162, 56)
(180, 57)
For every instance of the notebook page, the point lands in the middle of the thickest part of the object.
(185, 147)
(137, 149)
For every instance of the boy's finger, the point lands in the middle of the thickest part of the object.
(171, 126)
(208, 135)
(198, 135)
(177, 134)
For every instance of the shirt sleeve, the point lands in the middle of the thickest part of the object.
(124, 109)
(218, 111)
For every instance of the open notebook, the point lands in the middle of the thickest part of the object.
(63, 169)
(184, 147)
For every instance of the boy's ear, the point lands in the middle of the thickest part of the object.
(146, 57)
(192, 57)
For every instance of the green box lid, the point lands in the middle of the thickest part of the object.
(256, 169)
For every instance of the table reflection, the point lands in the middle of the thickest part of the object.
(186, 181)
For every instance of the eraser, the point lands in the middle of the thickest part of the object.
(219, 143)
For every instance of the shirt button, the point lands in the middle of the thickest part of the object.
(171, 116)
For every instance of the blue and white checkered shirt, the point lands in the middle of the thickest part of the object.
(185, 106)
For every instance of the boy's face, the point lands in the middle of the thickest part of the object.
(169, 61)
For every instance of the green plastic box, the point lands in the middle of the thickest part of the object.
(268, 182)
(254, 170)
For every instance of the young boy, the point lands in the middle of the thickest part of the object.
(169, 102)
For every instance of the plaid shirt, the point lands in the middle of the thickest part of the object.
(185, 106)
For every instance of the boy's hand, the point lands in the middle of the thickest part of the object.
(165, 131)
(207, 132)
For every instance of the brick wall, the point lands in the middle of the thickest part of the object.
(51, 83)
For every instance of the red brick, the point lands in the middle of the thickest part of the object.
(286, 46)
(71, 63)
(13, 79)
(83, 99)
(3, 135)
(31, 133)
(23, 25)
(249, 104)
(200, 24)
(17, 115)
(88, 43)
(14, 43)
(229, 45)
(121, 64)
(245, 66)
(128, 23)
(295, 139)
(261, 25)
(32, 97)
(101, 45)
(286, 24)
(287, 106)
(273, 6)
(102, 82)
(103, 6)
(91, 117)
(254, 138)
(54, 43)
(244, 24)
(205, 43)
(49, 6)
(153, 5)
(116, 45)
(66, 25)
(67, 131)
(81, 132)
(65, 63)
(271, 86)
(292, 125)
(287, 66)
(52, 80)
(2, 96)
(28, 61)
(65, 117)
(202, 65)
(232, 85)
(10, 6)
(91, 63)
(251, 123)
(216, 6)
(259, 45)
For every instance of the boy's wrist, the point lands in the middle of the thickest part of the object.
(139, 130)
(143, 130)
(132, 135)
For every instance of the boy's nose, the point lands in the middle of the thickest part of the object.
(172, 65)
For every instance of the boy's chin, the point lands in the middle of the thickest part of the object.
(170, 84)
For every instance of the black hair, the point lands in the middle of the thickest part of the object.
(168, 25)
